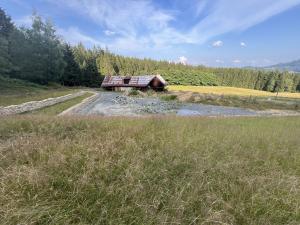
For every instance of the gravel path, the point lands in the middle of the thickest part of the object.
(116, 104)
(34, 105)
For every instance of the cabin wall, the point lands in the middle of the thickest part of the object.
(123, 88)
(156, 84)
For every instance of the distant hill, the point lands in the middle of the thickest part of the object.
(293, 66)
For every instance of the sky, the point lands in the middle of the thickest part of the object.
(221, 33)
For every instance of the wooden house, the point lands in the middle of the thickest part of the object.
(119, 83)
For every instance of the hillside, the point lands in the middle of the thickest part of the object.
(293, 66)
(13, 86)
(15, 91)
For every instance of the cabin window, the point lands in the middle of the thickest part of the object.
(126, 80)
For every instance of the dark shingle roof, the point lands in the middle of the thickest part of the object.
(135, 81)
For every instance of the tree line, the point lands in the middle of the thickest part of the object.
(39, 55)
(179, 74)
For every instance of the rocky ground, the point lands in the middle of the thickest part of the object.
(118, 104)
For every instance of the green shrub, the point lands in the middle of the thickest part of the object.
(168, 97)
(133, 92)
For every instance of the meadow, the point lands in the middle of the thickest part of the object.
(235, 97)
(15, 91)
(60, 107)
(219, 90)
(163, 170)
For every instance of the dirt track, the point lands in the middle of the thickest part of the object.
(117, 104)
(35, 105)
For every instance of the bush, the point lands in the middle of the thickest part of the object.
(168, 97)
(133, 92)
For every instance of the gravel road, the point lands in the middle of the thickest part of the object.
(117, 104)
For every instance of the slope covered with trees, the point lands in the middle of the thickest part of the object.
(179, 74)
(38, 55)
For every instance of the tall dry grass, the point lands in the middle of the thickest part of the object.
(231, 91)
(164, 170)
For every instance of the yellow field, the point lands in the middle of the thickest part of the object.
(219, 90)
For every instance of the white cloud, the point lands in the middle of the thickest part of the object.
(128, 18)
(235, 15)
(74, 36)
(183, 60)
(219, 61)
(217, 44)
(243, 44)
(236, 61)
(144, 25)
(200, 7)
(109, 33)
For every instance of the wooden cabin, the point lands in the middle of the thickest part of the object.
(119, 83)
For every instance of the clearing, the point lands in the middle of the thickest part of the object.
(237, 97)
(149, 170)
(61, 107)
(219, 90)
(225, 101)
(118, 104)
(14, 91)
(170, 170)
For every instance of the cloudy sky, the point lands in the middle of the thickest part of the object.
(210, 32)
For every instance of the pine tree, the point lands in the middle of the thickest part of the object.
(37, 53)
(72, 72)
(54, 54)
(6, 29)
(270, 85)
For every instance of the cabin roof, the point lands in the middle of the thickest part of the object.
(135, 81)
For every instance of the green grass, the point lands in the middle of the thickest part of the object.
(231, 91)
(60, 107)
(168, 97)
(164, 170)
(133, 92)
(256, 103)
(13, 91)
(251, 102)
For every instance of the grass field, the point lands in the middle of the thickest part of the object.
(149, 171)
(13, 91)
(231, 91)
(60, 107)
(236, 97)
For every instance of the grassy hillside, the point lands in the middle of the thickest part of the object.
(190, 77)
(149, 171)
(14, 86)
(14, 91)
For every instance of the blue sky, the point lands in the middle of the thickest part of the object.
(209, 32)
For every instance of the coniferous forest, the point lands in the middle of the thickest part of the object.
(39, 55)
